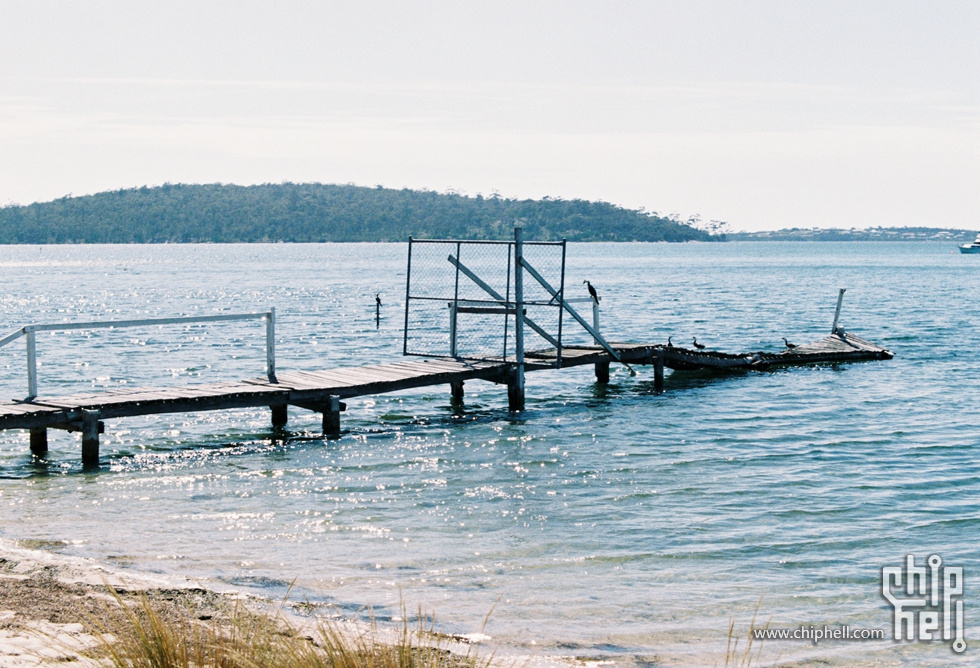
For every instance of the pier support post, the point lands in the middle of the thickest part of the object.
(331, 417)
(658, 371)
(280, 415)
(457, 389)
(515, 389)
(90, 437)
(602, 372)
(39, 441)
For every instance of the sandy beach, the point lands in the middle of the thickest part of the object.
(48, 600)
(49, 603)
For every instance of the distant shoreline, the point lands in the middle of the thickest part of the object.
(936, 234)
(741, 237)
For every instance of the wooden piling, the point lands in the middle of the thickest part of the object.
(515, 389)
(457, 389)
(90, 437)
(602, 372)
(658, 371)
(39, 441)
(280, 415)
(331, 417)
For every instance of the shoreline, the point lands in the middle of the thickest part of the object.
(49, 603)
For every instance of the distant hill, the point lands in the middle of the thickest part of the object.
(317, 213)
(867, 234)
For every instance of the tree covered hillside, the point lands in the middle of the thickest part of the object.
(316, 213)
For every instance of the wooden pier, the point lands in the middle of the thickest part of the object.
(323, 391)
(503, 303)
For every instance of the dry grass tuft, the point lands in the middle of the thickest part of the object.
(743, 659)
(139, 636)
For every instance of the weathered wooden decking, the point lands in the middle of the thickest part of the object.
(322, 391)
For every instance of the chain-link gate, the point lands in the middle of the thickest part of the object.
(462, 298)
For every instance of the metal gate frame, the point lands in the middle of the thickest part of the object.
(517, 266)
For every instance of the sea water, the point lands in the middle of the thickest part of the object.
(609, 522)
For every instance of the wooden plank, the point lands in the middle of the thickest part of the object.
(440, 365)
(392, 373)
(385, 386)
(323, 380)
(305, 378)
(24, 408)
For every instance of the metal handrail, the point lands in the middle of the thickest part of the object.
(29, 331)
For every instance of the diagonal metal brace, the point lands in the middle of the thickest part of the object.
(561, 300)
(496, 295)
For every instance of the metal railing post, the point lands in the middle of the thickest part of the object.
(31, 364)
(561, 311)
(595, 318)
(408, 297)
(270, 343)
(453, 312)
(516, 388)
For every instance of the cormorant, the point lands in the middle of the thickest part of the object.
(696, 344)
(669, 344)
(788, 344)
(592, 292)
(377, 299)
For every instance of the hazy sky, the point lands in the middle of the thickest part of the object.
(761, 114)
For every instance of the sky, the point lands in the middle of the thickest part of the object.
(759, 114)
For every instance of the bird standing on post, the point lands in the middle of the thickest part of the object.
(696, 344)
(592, 292)
(377, 310)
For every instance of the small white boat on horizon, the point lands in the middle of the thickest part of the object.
(971, 248)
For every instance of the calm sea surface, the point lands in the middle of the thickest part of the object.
(606, 522)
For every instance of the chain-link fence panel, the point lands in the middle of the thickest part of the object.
(461, 298)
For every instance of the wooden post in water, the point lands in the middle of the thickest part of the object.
(840, 300)
(331, 417)
(90, 437)
(515, 387)
(280, 415)
(457, 389)
(658, 371)
(39, 441)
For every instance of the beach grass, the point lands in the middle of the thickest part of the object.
(744, 658)
(140, 635)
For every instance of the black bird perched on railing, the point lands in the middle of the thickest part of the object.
(696, 344)
(788, 344)
(592, 292)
